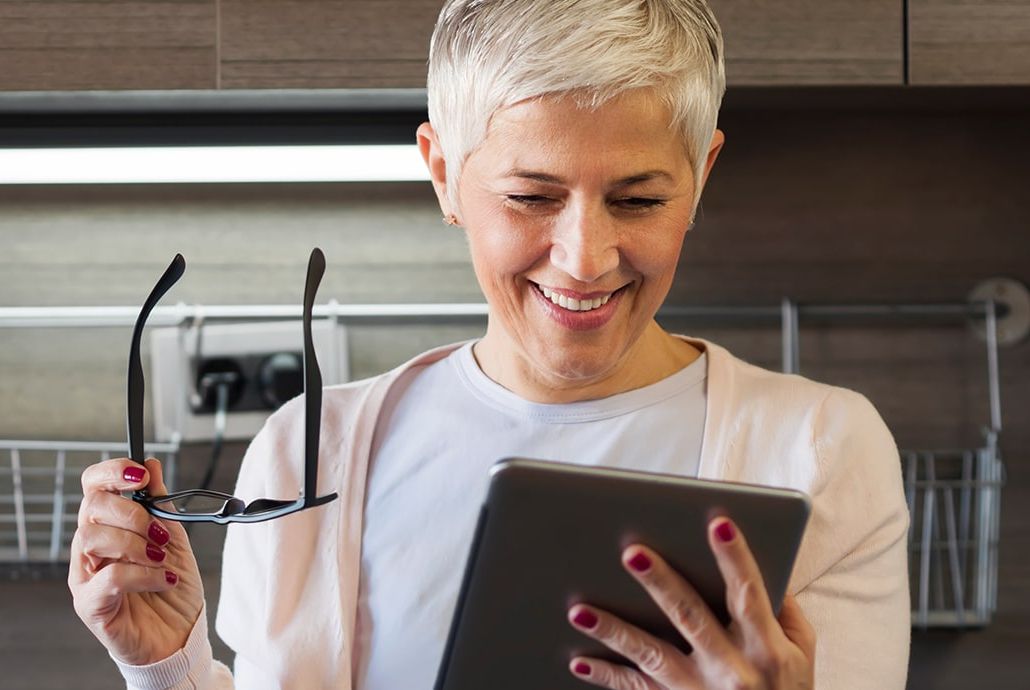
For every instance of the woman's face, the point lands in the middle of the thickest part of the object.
(575, 220)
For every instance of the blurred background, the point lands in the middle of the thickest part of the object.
(870, 197)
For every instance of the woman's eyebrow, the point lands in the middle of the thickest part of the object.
(622, 182)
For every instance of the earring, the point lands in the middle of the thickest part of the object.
(450, 219)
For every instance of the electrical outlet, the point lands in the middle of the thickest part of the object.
(261, 359)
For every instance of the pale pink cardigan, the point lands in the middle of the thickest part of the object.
(290, 586)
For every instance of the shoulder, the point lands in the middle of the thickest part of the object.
(757, 395)
(737, 378)
(791, 430)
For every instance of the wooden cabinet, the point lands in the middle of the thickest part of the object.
(953, 42)
(360, 43)
(120, 44)
(812, 42)
(325, 44)
(265, 44)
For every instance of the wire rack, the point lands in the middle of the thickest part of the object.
(954, 499)
(40, 494)
(954, 496)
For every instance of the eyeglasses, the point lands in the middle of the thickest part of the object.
(202, 505)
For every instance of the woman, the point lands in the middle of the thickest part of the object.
(571, 141)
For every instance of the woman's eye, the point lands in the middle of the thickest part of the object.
(628, 203)
(639, 203)
(528, 199)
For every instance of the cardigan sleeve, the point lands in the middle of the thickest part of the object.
(858, 600)
(190, 668)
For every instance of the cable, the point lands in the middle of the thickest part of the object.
(221, 382)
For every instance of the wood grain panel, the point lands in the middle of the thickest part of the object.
(107, 44)
(812, 41)
(325, 44)
(963, 42)
(362, 43)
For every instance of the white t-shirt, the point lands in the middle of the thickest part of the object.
(428, 476)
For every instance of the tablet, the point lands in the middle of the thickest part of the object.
(551, 535)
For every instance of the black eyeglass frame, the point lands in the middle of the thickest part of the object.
(233, 509)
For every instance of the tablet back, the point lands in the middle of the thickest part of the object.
(551, 535)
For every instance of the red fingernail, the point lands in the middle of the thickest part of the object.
(725, 531)
(170, 577)
(640, 563)
(133, 474)
(581, 668)
(158, 534)
(585, 619)
(155, 553)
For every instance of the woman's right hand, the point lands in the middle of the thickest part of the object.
(133, 577)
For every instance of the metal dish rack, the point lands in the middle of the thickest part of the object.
(954, 496)
(954, 502)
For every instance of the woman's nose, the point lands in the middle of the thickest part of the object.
(585, 243)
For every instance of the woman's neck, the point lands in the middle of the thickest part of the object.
(654, 356)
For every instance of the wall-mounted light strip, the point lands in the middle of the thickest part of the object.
(212, 164)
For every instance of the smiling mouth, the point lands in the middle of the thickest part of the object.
(574, 304)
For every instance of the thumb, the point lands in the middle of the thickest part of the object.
(796, 627)
(156, 487)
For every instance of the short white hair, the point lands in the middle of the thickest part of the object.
(486, 55)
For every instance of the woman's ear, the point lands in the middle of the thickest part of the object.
(432, 154)
(718, 139)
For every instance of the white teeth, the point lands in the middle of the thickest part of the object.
(571, 303)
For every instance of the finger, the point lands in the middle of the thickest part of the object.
(157, 488)
(796, 627)
(118, 579)
(101, 546)
(608, 675)
(654, 657)
(79, 569)
(113, 510)
(100, 542)
(682, 604)
(746, 597)
(117, 475)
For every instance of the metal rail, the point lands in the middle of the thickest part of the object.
(99, 317)
(953, 495)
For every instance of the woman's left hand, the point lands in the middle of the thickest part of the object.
(757, 650)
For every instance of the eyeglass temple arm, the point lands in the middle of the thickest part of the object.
(312, 386)
(136, 387)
